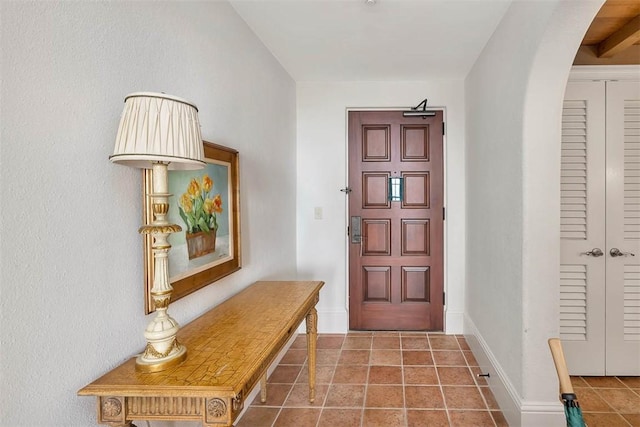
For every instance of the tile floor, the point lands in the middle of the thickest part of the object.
(609, 401)
(376, 379)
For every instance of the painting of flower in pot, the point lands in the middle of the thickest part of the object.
(205, 204)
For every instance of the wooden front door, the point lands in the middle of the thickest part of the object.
(396, 221)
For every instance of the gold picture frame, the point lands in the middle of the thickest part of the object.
(212, 193)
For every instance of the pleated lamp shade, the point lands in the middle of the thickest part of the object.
(155, 127)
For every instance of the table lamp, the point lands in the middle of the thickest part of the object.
(159, 132)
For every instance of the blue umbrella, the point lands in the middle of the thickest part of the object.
(572, 411)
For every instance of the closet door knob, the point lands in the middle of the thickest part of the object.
(595, 252)
(615, 252)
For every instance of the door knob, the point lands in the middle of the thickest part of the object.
(615, 252)
(595, 252)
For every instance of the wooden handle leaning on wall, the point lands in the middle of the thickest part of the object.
(561, 366)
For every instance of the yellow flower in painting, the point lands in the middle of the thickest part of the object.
(217, 204)
(208, 206)
(207, 183)
(194, 188)
(198, 207)
(186, 203)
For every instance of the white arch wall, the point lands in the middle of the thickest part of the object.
(513, 100)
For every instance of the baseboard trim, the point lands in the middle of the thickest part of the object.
(330, 322)
(454, 322)
(517, 412)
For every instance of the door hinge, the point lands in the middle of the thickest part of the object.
(444, 213)
(443, 128)
(444, 300)
(347, 230)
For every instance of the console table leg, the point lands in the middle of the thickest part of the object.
(312, 337)
(263, 388)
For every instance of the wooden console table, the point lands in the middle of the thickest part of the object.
(229, 349)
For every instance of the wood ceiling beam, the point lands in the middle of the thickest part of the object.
(626, 36)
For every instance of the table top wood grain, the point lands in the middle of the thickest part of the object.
(226, 347)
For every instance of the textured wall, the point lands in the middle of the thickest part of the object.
(71, 263)
(513, 98)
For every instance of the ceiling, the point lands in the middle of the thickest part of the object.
(614, 35)
(348, 40)
(404, 40)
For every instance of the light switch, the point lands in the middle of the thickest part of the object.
(317, 213)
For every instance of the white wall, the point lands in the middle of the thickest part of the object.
(71, 261)
(514, 97)
(322, 172)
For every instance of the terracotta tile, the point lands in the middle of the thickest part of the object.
(604, 382)
(258, 417)
(455, 376)
(463, 398)
(299, 395)
(597, 419)
(591, 401)
(443, 342)
(345, 395)
(386, 333)
(350, 374)
(499, 419)
(330, 341)
(470, 358)
(297, 417)
(385, 357)
(276, 395)
(489, 398)
(577, 381)
(633, 419)
(286, 374)
(354, 357)
(448, 358)
(357, 342)
(324, 374)
(415, 343)
(294, 356)
(299, 342)
(340, 417)
(470, 418)
(386, 342)
(417, 357)
(462, 342)
(327, 356)
(385, 375)
(475, 371)
(427, 418)
(622, 400)
(424, 375)
(413, 334)
(423, 397)
(631, 382)
(383, 417)
(360, 334)
(384, 396)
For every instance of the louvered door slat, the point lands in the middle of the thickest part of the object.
(573, 185)
(631, 170)
(582, 195)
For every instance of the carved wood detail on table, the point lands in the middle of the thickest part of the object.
(229, 350)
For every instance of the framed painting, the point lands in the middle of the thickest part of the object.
(206, 204)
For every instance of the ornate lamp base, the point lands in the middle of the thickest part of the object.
(156, 364)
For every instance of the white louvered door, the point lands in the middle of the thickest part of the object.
(600, 209)
(582, 219)
(623, 229)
